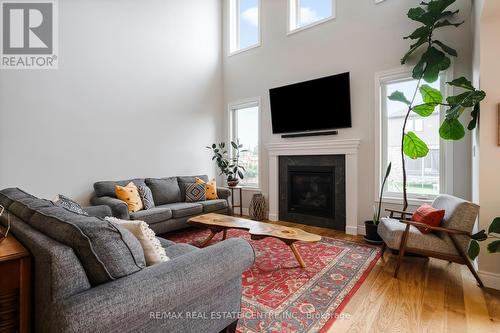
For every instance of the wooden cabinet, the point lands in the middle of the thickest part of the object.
(14, 286)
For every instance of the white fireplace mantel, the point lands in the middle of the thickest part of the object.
(348, 147)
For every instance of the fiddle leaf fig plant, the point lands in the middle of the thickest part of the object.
(229, 164)
(431, 57)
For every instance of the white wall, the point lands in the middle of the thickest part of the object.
(365, 38)
(137, 93)
(489, 157)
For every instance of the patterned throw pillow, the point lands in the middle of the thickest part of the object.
(146, 196)
(130, 195)
(154, 253)
(69, 204)
(195, 192)
(210, 188)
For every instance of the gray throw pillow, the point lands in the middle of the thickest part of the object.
(195, 192)
(69, 204)
(165, 190)
(146, 196)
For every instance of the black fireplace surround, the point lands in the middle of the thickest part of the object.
(312, 190)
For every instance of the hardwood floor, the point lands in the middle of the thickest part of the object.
(430, 295)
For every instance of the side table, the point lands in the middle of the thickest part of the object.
(14, 286)
(239, 188)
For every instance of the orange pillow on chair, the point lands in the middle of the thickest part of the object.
(429, 215)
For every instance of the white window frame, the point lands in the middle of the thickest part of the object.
(232, 131)
(293, 17)
(445, 147)
(234, 28)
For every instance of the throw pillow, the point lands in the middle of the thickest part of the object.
(129, 194)
(210, 188)
(146, 197)
(154, 253)
(195, 192)
(429, 215)
(69, 204)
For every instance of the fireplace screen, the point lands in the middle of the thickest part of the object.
(311, 190)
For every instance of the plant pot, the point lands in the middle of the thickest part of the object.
(232, 182)
(371, 233)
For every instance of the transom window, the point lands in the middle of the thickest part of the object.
(305, 13)
(244, 123)
(425, 176)
(244, 21)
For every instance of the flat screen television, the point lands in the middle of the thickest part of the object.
(316, 105)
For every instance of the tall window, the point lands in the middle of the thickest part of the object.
(304, 13)
(245, 128)
(425, 175)
(244, 24)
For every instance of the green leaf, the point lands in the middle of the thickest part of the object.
(446, 48)
(452, 130)
(422, 32)
(480, 236)
(413, 48)
(454, 112)
(413, 146)
(494, 247)
(473, 250)
(424, 110)
(430, 95)
(446, 23)
(214, 146)
(495, 226)
(388, 171)
(235, 146)
(462, 82)
(240, 174)
(431, 63)
(416, 13)
(475, 116)
(398, 96)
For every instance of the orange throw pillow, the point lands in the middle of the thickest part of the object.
(129, 194)
(429, 215)
(210, 188)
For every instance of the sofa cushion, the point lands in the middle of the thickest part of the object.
(391, 231)
(25, 208)
(107, 188)
(153, 215)
(165, 190)
(213, 205)
(195, 192)
(130, 195)
(106, 251)
(183, 209)
(186, 180)
(9, 195)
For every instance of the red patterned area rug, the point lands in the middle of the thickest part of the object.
(279, 296)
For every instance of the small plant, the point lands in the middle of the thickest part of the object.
(376, 211)
(229, 164)
(493, 233)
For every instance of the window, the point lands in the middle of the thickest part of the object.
(244, 122)
(244, 22)
(426, 175)
(305, 13)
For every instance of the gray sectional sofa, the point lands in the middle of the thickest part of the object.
(171, 211)
(89, 275)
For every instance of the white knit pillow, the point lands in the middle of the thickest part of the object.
(153, 251)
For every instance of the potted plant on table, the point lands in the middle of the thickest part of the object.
(229, 164)
(371, 226)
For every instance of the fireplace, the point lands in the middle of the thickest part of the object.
(312, 190)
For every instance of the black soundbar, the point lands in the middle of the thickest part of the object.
(299, 135)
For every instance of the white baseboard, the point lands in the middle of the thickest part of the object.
(351, 230)
(490, 280)
(361, 230)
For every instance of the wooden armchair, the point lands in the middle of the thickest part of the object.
(449, 241)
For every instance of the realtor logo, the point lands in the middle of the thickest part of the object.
(29, 34)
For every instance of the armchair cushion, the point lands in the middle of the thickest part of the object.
(391, 231)
(429, 215)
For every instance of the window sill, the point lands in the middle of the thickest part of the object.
(233, 53)
(411, 201)
(311, 25)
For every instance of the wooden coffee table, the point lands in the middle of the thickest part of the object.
(258, 230)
